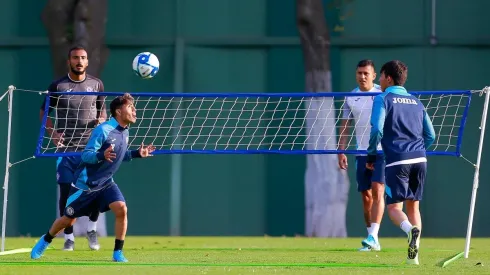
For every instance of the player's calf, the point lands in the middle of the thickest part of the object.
(377, 209)
(120, 211)
(93, 242)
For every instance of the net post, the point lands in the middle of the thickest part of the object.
(486, 90)
(7, 164)
(176, 159)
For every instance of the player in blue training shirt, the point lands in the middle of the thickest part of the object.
(95, 189)
(400, 122)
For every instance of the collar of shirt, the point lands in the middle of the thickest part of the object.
(375, 88)
(398, 90)
(113, 122)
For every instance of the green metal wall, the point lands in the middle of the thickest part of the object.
(246, 46)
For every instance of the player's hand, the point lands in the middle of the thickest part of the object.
(58, 139)
(343, 162)
(145, 151)
(109, 154)
(370, 166)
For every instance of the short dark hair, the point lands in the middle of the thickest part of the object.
(120, 101)
(365, 63)
(75, 48)
(397, 70)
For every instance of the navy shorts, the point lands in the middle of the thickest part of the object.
(365, 178)
(66, 167)
(82, 203)
(405, 182)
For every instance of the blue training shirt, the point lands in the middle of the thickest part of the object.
(399, 121)
(95, 172)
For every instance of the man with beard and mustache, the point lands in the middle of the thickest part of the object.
(76, 116)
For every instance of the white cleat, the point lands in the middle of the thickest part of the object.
(413, 247)
(371, 243)
(365, 249)
(69, 245)
(93, 242)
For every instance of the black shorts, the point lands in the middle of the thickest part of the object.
(66, 167)
(82, 203)
(405, 182)
(364, 179)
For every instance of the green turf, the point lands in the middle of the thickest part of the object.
(242, 255)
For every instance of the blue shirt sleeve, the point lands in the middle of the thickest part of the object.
(91, 152)
(378, 115)
(429, 133)
(131, 154)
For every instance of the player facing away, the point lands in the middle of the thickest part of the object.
(370, 185)
(95, 189)
(400, 122)
(76, 116)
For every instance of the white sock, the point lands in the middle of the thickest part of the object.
(92, 226)
(406, 226)
(369, 230)
(70, 237)
(375, 230)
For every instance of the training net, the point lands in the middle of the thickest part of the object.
(245, 123)
(287, 123)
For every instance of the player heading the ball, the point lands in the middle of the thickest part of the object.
(95, 189)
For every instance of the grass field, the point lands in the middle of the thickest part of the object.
(237, 255)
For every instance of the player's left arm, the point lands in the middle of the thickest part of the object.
(100, 105)
(378, 116)
(429, 133)
(142, 152)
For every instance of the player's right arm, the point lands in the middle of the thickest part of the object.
(429, 133)
(92, 154)
(344, 132)
(56, 137)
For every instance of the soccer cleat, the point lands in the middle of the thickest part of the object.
(372, 243)
(365, 249)
(93, 243)
(69, 245)
(118, 256)
(413, 249)
(38, 249)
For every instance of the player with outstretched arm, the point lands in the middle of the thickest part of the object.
(400, 122)
(76, 117)
(370, 185)
(95, 189)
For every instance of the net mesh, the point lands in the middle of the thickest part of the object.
(248, 123)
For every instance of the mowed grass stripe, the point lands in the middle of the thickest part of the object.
(40, 263)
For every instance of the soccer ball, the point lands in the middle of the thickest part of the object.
(146, 65)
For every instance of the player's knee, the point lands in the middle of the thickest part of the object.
(67, 221)
(119, 208)
(378, 191)
(394, 207)
(412, 206)
(367, 196)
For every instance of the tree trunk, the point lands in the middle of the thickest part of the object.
(76, 22)
(326, 186)
(82, 23)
